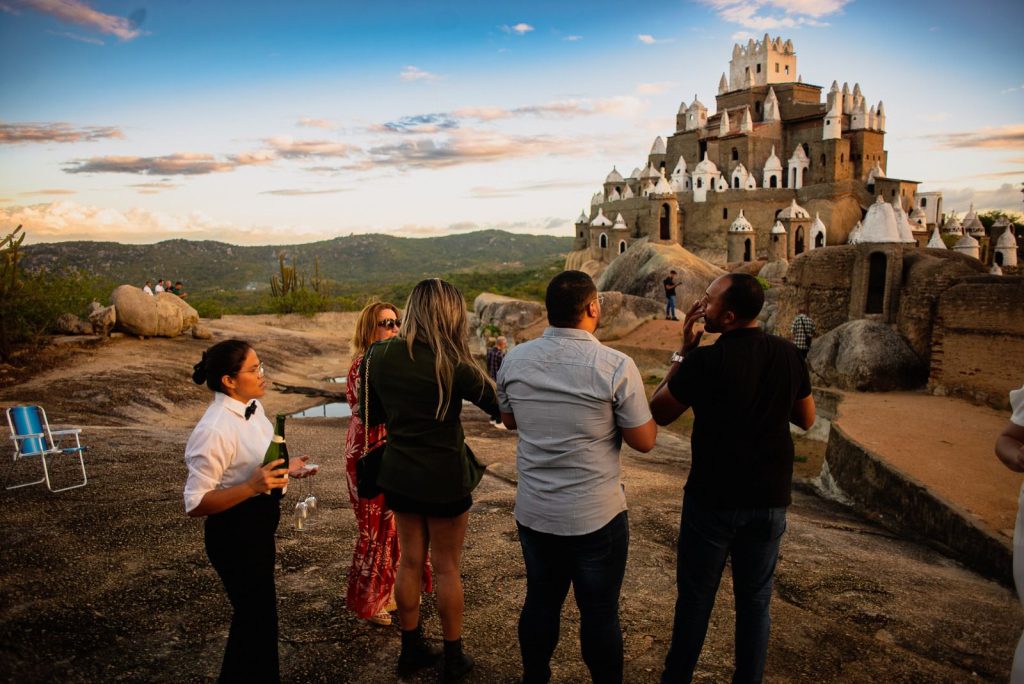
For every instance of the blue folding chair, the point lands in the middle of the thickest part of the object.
(32, 437)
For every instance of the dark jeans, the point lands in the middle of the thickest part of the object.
(707, 536)
(594, 564)
(670, 306)
(240, 546)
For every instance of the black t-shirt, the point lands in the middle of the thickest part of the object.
(670, 287)
(742, 390)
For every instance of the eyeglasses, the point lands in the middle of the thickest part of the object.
(390, 323)
(259, 370)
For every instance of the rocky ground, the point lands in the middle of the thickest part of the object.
(110, 582)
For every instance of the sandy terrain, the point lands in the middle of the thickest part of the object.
(110, 582)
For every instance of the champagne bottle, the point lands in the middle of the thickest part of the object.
(277, 449)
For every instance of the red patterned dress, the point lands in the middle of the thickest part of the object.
(371, 579)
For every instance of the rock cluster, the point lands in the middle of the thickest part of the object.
(866, 356)
(162, 315)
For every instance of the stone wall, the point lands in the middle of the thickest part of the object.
(977, 349)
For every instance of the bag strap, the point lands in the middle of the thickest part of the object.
(366, 401)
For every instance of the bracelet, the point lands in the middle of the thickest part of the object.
(677, 357)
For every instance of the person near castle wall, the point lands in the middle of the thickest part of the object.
(371, 577)
(148, 288)
(670, 296)
(495, 355)
(803, 332)
(1010, 450)
(416, 383)
(744, 389)
(226, 484)
(159, 287)
(574, 401)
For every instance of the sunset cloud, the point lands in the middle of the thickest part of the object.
(316, 123)
(57, 132)
(290, 148)
(80, 13)
(466, 146)
(301, 192)
(1001, 137)
(655, 88)
(765, 15)
(179, 164)
(47, 193)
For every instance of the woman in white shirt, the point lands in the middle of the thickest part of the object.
(1010, 450)
(227, 483)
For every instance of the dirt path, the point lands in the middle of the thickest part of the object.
(110, 582)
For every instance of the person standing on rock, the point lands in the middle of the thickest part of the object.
(670, 296)
(148, 288)
(226, 483)
(495, 355)
(803, 332)
(573, 401)
(744, 389)
(1010, 450)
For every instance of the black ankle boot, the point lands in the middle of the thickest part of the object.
(416, 653)
(456, 663)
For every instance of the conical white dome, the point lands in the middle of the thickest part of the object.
(741, 225)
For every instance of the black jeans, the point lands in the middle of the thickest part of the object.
(707, 536)
(240, 546)
(594, 564)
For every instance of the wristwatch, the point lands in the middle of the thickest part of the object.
(677, 357)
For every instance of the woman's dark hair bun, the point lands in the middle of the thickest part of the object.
(199, 371)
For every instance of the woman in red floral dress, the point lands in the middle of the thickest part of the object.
(371, 579)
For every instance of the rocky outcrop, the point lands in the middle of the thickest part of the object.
(621, 314)
(505, 315)
(640, 270)
(70, 324)
(103, 319)
(163, 315)
(867, 356)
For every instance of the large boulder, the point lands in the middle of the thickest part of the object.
(621, 314)
(507, 315)
(867, 356)
(162, 315)
(70, 324)
(640, 270)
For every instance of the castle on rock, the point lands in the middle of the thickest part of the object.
(773, 173)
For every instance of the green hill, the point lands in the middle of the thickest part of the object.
(356, 259)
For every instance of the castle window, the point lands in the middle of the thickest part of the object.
(773, 182)
(924, 202)
(757, 107)
(758, 67)
(700, 182)
(735, 154)
(725, 210)
(622, 246)
(736, 182)
(842, 158)
(876, 284)
(665, 224)
(746, 250)
(618, 189)
(604, 241)
(823, 160)
(776, 67)
(807, 150)
(893, 193)
(787, 69)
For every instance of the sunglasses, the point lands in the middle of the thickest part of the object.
(390, 323)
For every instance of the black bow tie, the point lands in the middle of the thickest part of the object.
(249, 410)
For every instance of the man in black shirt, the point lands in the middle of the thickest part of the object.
(670, 296)
(744, 389)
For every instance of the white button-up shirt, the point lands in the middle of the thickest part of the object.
(224, 448)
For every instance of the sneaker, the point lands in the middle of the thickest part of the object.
(500, 426)
(383, 618)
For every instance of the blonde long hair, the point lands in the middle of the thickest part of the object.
(435, 315)
(366, 327)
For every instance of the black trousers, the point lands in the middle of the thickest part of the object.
(240, 546)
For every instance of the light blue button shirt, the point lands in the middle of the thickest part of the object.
(570, 396)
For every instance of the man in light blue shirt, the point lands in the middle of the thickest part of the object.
(573, 401)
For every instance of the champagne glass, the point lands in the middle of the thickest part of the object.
(301, 514)
(312, 505)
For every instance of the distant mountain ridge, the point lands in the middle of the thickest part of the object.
(370, 258)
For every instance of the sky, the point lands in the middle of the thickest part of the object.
(283, 122)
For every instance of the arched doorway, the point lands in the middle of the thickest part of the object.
(819, 240)
(876, 284)
(665, 223)
(746, 250)
(622, 246)
(798, 241)
(604, 241)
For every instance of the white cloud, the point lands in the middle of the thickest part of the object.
(413, 73)
(764, 15)
(520, 29)
(1007, 91)
(647, 39)
(573, 39)
(308, 122)
(655, 88)
(1006, 197)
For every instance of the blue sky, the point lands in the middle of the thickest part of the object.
(270, 122)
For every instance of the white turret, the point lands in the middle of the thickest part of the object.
(620, 223)
(627, 192)
(972, 225)
(936, 242)
(952, 225)
(747, 123)
(723, 85)
(876, 172)
(772, 175)
(723, 124)
(833, 126)
(1006, 248)
(741, 225)
(847, 98)
(740, 176)
(902, 222)
(756, 63)
(771, 107)
(880, 224)
(855, 234)
(583, 218)
(705, 178)
(600, 221)
(872, 119)
(614, 195)
(798, 165)
(659, 146)
(614, 176)
(819, 234)
(662, 187)
(833, 97)
(881, 116)
(696, 115)
(597, 198)
(859, 116)
(967, 245)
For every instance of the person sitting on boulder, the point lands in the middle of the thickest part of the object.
(148, 288)
(159, 287)
(179, 289)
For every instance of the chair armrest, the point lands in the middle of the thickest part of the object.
(66, 431)
(28, 435)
